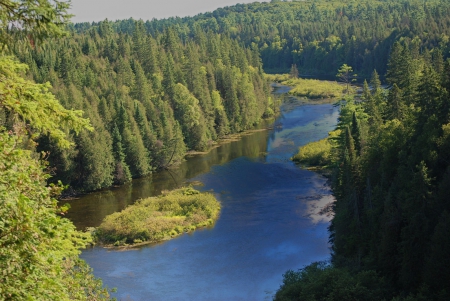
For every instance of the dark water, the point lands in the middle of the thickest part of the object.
(268, 223)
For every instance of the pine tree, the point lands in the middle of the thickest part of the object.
(396, 65)
(395, 107)
(122, 172)
(294, 71)
(356, 133)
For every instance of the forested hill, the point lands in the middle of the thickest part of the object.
(156, 89)
(150, 98)
(319, 36)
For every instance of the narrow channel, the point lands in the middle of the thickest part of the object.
(269, 221)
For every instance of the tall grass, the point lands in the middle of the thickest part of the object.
(159, 218)
(310, 88)
(317, 153)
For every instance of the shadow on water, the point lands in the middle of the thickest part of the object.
(89, 210)
(270, 221)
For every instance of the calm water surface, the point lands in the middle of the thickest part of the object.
(268, 223)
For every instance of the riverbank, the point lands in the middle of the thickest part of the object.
(317, 155)
(158, 218)
(309, 88)
(228, 139)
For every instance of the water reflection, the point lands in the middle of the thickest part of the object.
(89, 210)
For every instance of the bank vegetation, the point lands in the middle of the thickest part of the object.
(159, 218)
(318, 153)
(309, 88)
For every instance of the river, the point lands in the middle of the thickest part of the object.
(269, 221)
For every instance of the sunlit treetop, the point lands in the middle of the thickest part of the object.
(26, 101)
(33, 19)
(33, 104)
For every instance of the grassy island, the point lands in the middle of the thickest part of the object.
(310, 88)
(159, 218)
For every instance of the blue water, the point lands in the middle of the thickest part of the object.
(268, 223)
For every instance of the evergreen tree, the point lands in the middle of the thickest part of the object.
(122, 172)
(395, 107)
(294, 71)
(346, 75)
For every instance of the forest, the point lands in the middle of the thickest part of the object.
(320, 36)
(150, 98)
(95, 105)
(390, 171)
(155, 90)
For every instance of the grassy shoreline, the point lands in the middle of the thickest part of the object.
(310, 88)
(227, 139)
(316, 155)
(158, 218)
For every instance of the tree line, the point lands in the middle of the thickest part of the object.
(320, 36)
(150, 97)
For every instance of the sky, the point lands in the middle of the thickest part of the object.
(98, 10)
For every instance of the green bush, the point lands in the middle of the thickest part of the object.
(158, 218)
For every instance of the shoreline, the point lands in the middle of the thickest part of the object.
(159, 218)
(133, 246)
(227, 139)
(74, 195)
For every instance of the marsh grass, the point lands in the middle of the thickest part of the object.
(317, 153)
(159, 218)
(310, 88)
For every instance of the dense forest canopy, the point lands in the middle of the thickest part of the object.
(157, 89)
(150, 98)
(319, 36)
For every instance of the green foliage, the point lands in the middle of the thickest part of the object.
(315, 89)
(165, 93)
(35, 105)
(318, 153)
(189, 113)
(35, 19)
(320, 36)
(277, 78)
(391, 167)
(346, 75)
(158, 218)
(320, 281)
(310, 88)
(294, 71)
(38, 249)
(391, 173)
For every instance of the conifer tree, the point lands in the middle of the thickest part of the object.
(294, 71)
(395, 106)
(122, 172)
